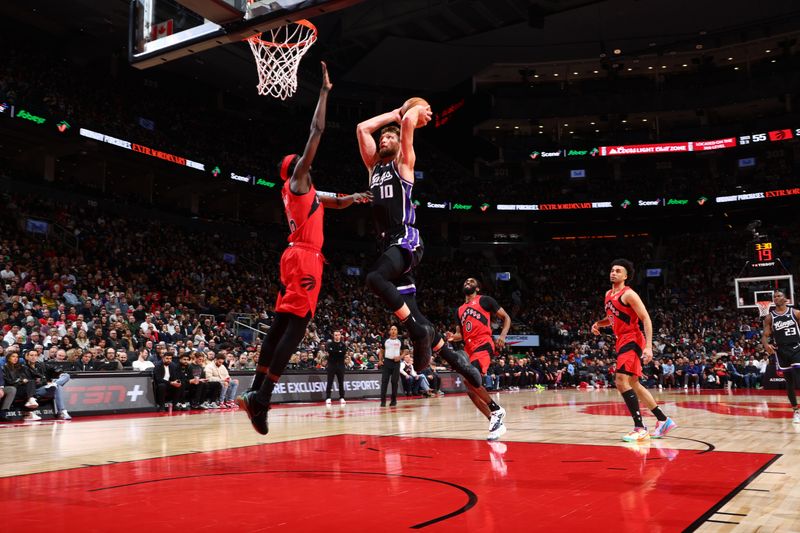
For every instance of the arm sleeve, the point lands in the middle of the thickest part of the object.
(490, 304)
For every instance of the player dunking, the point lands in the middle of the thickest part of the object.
(301, 266)
(783, 324)
(391, 172)
(475, 319)
(624, 310)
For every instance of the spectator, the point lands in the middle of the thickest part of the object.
(15, 375)
(211, 391)
(86, 362)
(412, 382)
(110, 363)
(44, 387)
(667, 374)
(216, 372)
(167, 383)
(7, 393)
(752, 374)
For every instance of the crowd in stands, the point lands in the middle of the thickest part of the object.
(146, 296)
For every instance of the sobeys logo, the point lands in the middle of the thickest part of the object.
(535, 155)
(484, 207)
(593, 152)
(702, 200)
(677, 201)
(625, 204)
(27, 116)
(463, 207)
(265, 183)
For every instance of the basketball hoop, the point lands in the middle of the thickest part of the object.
(763, 308)
(278, 53)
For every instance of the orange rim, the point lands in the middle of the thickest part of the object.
(305, 42)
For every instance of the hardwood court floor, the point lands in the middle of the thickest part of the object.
(732, 465)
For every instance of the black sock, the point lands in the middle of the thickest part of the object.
(658, 414)
(264, 394)
(493, 406)
(633, 406)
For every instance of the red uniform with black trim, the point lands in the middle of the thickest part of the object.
(630, 339)
(302, 261)
(475, 318)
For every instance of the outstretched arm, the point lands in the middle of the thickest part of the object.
(340, 202)
(408, 124)
(301, 179)
(366, 142)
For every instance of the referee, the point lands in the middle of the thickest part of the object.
(390, 357)
(336, 351)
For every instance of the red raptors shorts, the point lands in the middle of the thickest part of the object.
(629, 356)
(301, 280)
(481, 354)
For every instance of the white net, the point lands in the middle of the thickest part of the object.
(763, 308)
(278, 53)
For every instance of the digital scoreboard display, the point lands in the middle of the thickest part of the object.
(763, 251)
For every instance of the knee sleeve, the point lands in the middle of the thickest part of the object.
(460, 363)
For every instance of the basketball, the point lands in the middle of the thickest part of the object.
(411, 102)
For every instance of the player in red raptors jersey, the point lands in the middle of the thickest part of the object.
(301, 266)
(475, 319)
(624, 310)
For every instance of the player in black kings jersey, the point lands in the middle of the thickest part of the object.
(783, 324)
(391, 173)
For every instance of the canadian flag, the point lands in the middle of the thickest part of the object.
(161, 30)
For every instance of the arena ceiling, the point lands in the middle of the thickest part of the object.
(432, 45)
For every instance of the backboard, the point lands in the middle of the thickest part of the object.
(755, 289)
(164, 30)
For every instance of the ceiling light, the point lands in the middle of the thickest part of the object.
(596, 131)
(575, 73)
(617, 51)
(730, 59)
(570, 132)
(566, 125)
(767, 51)
(698, 47)
(541, 126)
(773, 61)
(624, 121)
(735, 68)
(535, 76)
(592, 123)
(595, 71)
(497, 127)
(684, 65)
(629, 69)
(644, 120)
(516, 127)
(556, 74)
(649, 68)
